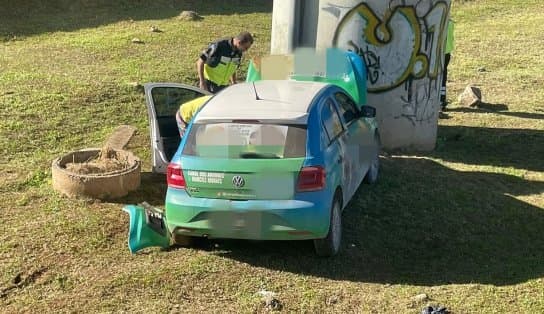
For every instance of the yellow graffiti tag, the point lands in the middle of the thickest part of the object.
(418, 63)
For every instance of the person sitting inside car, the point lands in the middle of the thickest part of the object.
(186, 112)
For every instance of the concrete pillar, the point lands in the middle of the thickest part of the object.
(294, 24)
(283, 27)
(400, 41)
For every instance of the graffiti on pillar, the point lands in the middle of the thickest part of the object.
(416, 103)
(435, 23)
(403, 45)
(402, 48)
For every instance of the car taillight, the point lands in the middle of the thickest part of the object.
(174, 176)
(311, 179)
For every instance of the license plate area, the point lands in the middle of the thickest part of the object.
(154, 218)
(229, 223)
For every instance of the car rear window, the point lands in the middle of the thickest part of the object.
(246, 140)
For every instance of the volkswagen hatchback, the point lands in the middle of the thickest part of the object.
(265, 160)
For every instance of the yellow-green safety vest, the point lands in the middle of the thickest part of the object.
(450, 39)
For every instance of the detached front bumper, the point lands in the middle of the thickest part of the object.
(147, 227)
(252, 219)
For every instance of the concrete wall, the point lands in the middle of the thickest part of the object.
(401, 42)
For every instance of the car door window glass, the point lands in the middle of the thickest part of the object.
(331, 120)
(168, 99)
(346, 107)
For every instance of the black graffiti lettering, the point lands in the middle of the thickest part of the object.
(408, 87)
(417, 104)
(356, 48)
(371, 60)
(429, 38)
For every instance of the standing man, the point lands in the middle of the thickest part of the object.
(218, 63)
(449, 48)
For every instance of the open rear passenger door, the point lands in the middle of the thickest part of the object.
(163, 100)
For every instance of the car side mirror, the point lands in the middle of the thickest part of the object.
(368, 112)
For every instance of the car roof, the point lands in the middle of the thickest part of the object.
(280, 101)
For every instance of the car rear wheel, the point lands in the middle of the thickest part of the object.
(330, 245)
(373, 171)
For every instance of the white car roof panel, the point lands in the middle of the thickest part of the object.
(280, 101)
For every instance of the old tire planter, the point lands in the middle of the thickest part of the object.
(108, 185)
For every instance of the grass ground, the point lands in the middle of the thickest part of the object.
(462, 224)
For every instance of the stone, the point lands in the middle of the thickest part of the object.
(120, 137)
(154, 29)
(270, 301)
(136, 40)
(136, 86)
(189, 16)
(471, 96)
(332, 300)
(421, 297)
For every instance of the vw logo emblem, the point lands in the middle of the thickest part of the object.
(238, 181)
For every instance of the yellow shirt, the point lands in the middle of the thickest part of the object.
(188, 109)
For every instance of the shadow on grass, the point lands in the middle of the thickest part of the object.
(492, 107)
(152, 190)
(34, 17)
(500, 109)
(517, 148)
(423, 224)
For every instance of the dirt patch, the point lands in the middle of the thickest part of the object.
(21, 281)
(107, 161)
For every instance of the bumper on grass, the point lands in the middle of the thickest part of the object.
(147, 227)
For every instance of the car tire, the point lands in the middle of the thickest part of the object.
(330, 245)
(374, 170)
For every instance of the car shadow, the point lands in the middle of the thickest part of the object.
(422, 224)
(36, 17)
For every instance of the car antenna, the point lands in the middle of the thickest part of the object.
(255, 90)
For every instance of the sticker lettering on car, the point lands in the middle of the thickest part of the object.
(206, 177)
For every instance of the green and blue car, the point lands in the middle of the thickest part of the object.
(262, 160)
